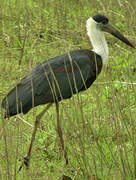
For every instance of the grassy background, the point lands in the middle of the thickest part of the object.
(99, 124)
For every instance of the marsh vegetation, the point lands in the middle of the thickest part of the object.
(99, 125)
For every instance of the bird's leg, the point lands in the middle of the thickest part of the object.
(37, 121)
(59, 130)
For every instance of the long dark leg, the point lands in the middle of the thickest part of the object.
(37, 121)
(59, 130)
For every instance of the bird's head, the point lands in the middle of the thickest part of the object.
(102, 23)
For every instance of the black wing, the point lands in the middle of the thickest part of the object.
(53, 80)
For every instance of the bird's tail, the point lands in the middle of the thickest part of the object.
(18, 100)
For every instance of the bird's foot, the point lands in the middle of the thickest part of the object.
(25, 162)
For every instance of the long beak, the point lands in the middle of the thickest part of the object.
(110, 29)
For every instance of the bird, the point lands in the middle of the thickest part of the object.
(60, 77)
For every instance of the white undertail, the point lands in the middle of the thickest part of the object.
(97, 39)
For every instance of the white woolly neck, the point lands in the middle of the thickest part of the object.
(97, 39)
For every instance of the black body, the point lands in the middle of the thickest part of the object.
(53, 80)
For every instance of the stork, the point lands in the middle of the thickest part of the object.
(60, 77)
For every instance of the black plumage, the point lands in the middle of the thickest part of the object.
(53, 80)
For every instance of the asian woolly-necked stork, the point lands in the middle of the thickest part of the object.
(59, 78)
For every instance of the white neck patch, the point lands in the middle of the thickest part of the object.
(97, 39)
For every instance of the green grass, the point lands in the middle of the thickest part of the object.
(99, 126)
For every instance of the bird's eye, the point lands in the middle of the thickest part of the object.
(105, 21)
